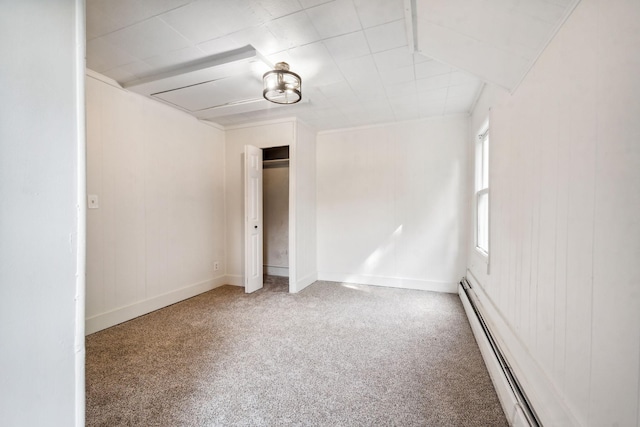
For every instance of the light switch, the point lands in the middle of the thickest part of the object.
(92, 201)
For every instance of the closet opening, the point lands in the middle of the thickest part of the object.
(275, 202)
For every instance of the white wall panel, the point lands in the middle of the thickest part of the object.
(42, 213)
(159, 176)
(304, 168)
(390, 200)
(565, 197)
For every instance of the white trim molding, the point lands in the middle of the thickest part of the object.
(391, 282)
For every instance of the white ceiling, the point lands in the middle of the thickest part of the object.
(496, 40)
(354, 56)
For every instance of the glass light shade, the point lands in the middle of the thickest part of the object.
(281, 85)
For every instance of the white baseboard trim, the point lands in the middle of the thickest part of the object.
(276, 271)
(545, 398)
(234, 280)
(391, 282)
(111, 318)
(304, 282)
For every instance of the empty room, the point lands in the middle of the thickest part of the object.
(320, 212)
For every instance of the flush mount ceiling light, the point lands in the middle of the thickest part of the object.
(281, 85)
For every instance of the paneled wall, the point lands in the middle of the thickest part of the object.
(562, 291)
(41, 224)
(304, 169)
(391, 201)
(159, 177)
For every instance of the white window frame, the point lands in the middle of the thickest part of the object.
(482, 187)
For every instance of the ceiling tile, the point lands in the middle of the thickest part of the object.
(235, 15)
(336, 89)
(293, 30)
(102, 56)
(283, 56)
(222, 44)
(278, 8)
(435, 82)
(360, 69)
(467, 91)
(419, 58)
(543, 10)
(406, 100)
(121, 75)
(316, 98)
(496, 40)
(260, 38)
(149, 38)
(98, 24)
(394, 58)
(456, 105)
(377, 12)
(348, 98)
(529, 33)
(488, 62)
(430, 69)
(334, 18)
(460, 77)
(397, 75)
(311, 3)
(386, 36)
(348, 46)
(314, 64)
(127, 12)
(433, 96)
(433, 110)
(378, 112)
(401, 90)
(369, 91)
(176, 57)
(194, 21)
(405, 108)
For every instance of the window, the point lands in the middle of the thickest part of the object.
(482, 191)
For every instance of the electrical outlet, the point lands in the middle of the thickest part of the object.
(216, 266)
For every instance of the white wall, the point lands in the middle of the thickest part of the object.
(159, 175)
(42, 213)
(391, 201)
(275, 184)
(562, 293)
(303, 167)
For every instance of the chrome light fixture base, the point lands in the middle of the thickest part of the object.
(282, 86)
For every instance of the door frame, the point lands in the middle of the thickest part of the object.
(292, 215)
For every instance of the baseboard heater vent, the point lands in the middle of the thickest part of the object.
(511, 379)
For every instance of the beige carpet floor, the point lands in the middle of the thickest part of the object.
(333, 355)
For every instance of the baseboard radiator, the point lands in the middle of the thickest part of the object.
(526, 413)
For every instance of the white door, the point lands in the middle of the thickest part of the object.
(253, 218)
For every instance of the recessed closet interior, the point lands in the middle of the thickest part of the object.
(275, 185)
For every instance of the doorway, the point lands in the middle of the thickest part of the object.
(275, 202)
(275, 254)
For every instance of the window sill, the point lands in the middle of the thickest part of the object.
(484, 255)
